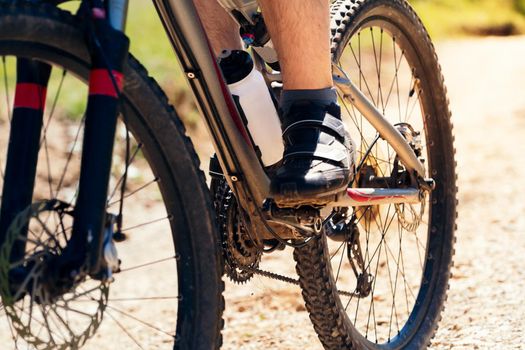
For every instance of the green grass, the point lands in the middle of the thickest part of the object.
(150, 45)
(452, 18)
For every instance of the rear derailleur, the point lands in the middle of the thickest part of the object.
(340, 228)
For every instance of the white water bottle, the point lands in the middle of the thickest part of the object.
(249, 89)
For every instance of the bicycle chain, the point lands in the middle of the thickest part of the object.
(286, 279)
(223, 202)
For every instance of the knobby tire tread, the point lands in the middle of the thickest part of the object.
(315, 272)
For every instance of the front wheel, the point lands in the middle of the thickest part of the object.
(395, 265)
(168, 292)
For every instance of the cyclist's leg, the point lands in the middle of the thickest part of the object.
(300, 31)
(318, 161)
(221, 28)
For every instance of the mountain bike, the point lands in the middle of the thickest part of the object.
(94, 191)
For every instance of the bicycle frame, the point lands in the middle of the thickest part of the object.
(240, 164)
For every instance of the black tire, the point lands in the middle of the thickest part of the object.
(327, 308)
(48, 34)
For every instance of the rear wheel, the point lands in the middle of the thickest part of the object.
(169, 290)
(394, 265)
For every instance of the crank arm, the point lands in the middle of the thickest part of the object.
(376, 119)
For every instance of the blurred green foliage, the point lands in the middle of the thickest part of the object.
(150, 44)
(445, 18)
(520, 6)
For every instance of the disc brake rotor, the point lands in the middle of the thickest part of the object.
(42, 313)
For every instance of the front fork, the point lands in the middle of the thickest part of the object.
(24, 143)
(109, 48)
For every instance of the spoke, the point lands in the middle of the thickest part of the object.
(140, 321)
(391, 284)
(371, 310)
(53, 106)
(84, 293)
(48, 164)
(79, 312)
(70, 155)
(131, 159)
(341, 262)
(135, 191)
(383, 234)
(412, 83)
(414, 104)
(146, 223)
(123, 329)
(402, 273)
(134, 299)
(395, 79)
(339, 248)
(405, 283)
(377, 61)
(361, 74)
(400, 233)
(147, 264)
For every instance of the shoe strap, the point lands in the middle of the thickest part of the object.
(328, 124)
(321, 152)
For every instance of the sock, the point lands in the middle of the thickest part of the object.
(319, 96)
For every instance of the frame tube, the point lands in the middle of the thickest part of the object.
(236, 154)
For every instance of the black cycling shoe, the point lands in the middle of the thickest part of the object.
(318, 160)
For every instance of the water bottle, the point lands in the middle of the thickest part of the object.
(249, 90)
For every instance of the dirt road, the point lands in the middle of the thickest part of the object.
(485, 309)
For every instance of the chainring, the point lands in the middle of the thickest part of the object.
(42, 317)
(240, 253)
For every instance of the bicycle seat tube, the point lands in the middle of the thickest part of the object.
(238, 159)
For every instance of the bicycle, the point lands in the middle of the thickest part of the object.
(59, 267)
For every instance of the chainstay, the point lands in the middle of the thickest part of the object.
(285, 279)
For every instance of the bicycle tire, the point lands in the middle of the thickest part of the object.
(170, 153)
(317, 278)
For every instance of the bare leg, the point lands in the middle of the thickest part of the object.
(222, 30)
(300, 31)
